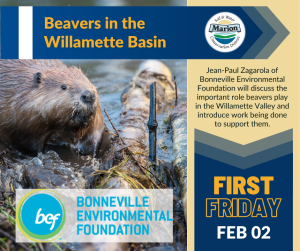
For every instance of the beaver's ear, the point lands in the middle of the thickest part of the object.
(38, 79)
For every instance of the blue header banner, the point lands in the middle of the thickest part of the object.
(136, 32)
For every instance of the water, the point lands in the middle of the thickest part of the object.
(111, 76)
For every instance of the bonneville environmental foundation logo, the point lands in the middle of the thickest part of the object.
(41, 215)
(225, 32)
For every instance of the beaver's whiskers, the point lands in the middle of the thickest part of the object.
(74, 110)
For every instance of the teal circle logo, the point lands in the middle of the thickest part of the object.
(41, 215)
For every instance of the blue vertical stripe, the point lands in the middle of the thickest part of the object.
(10, 32)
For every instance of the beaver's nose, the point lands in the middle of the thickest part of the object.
(88, 97)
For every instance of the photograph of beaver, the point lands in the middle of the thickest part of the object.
(50, 102)
(50, 106)
(45, 101)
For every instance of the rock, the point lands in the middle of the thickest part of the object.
(49, 171)
(11, 176)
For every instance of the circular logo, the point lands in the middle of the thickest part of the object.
(225, 32)
(41, 215)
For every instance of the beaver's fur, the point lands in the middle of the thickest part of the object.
(41, 102)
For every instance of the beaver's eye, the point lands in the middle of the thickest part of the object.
(63, 87)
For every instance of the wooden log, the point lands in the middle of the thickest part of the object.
(134, 118)
(178, 120)
(133, 139)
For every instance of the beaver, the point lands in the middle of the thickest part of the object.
(45, 101)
